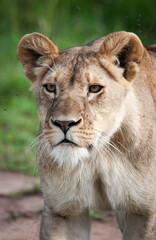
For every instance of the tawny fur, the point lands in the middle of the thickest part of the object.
(110, 161)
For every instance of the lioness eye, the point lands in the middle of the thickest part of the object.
(50, 87)
(95, 88)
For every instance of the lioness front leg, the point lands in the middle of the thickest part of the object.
(56, 227)
(139, 227)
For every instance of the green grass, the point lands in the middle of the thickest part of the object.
(19, 126)
(67, 23)
(18, 121)
(18, 113)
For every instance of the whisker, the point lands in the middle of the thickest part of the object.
(46, 65)
(108, 142)
(54, 65)
(122, 145)
(34, 170)
(33, 143)
(102, 150)
(44, 140)
(114, 146)
(42, 151)
(105, 143)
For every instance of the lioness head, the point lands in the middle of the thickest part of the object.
(81, 92)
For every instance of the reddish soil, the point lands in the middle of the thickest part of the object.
(20, 215)
(14, 182)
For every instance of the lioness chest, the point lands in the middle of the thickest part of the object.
(69, 192)
(110, 181)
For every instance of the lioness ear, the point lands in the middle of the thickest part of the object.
(128, 50)
(34, 50)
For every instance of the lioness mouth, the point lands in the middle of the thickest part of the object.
(65, 140)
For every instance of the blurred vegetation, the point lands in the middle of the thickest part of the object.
(67, 23)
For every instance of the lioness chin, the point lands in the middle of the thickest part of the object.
(97, 110)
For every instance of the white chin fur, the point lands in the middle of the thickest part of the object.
(69, 154)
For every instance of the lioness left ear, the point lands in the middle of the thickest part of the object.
(128, 49)
(33, 50)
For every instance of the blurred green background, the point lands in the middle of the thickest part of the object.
(67, 23)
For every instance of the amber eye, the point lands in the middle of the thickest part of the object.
(95, 88)
(50, 87)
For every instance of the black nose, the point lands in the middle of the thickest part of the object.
(65, 125)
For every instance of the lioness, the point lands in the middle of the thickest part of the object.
(97, 110)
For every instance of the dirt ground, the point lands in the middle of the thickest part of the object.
(20, 211)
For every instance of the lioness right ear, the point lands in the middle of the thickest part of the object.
(128, 50)
(33, 50)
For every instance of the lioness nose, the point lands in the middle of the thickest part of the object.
(65, 125)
